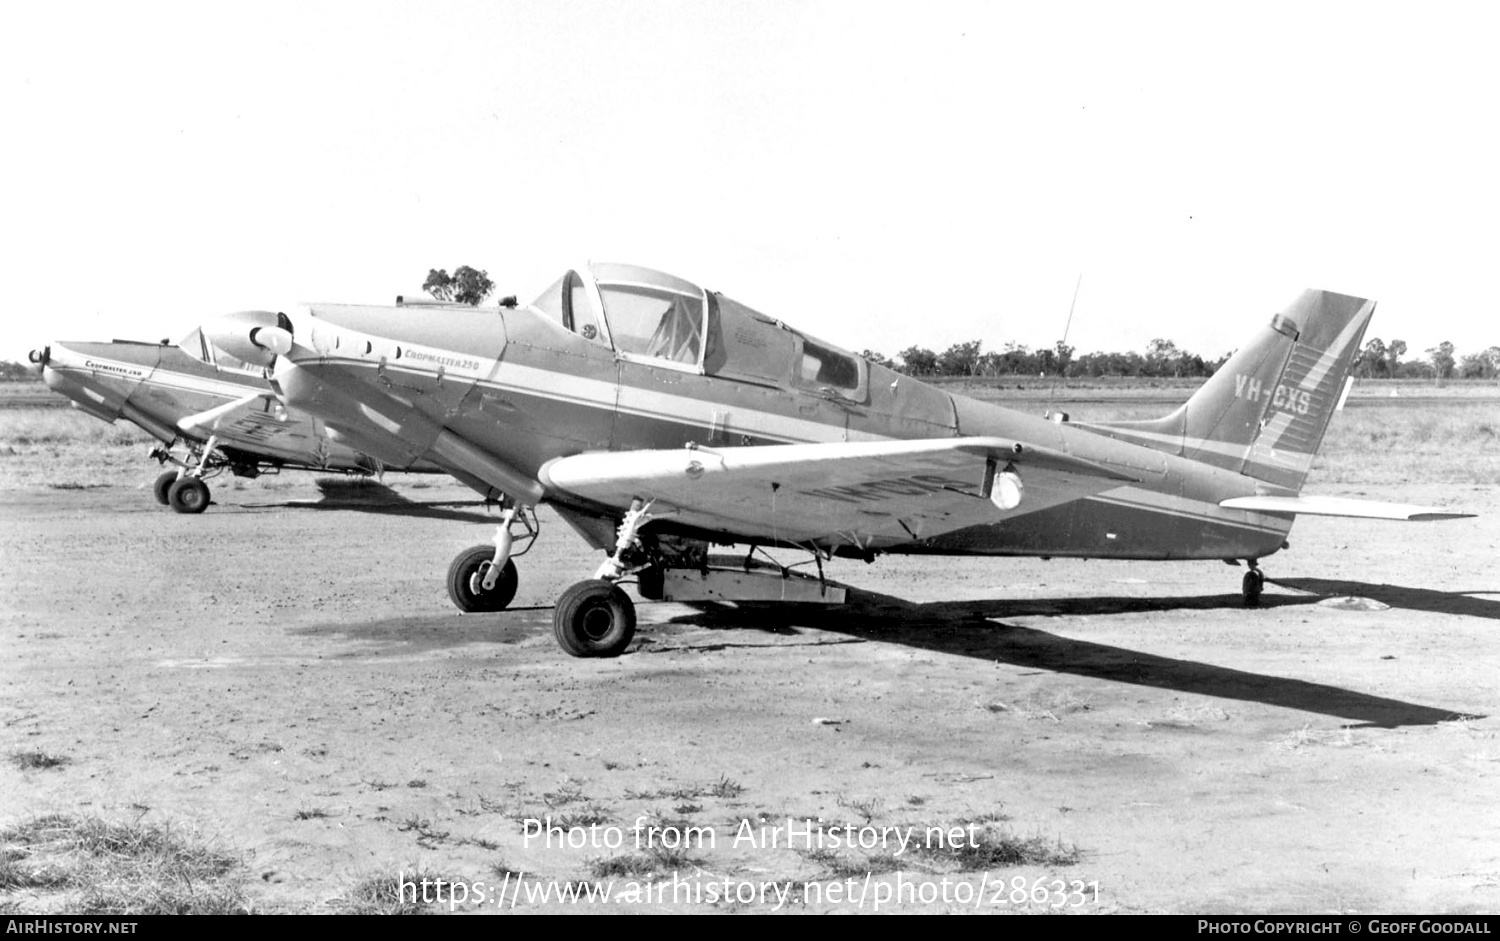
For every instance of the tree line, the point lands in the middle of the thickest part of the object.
(1163, 358)
(1382, 360)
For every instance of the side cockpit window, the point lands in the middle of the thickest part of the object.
(826, 368)
(568, 304)
(196, 345)
(747, 345)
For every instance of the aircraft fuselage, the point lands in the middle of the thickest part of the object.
(494, 395)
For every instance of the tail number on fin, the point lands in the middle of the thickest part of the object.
(1284, 397)
(1292, 400)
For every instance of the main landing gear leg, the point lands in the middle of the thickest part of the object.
(595, 618)
(1253, 583)
(484, 577)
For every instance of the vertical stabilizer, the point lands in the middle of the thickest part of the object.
(1266, 409)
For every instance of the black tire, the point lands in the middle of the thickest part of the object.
(188, 495)
(162, 485)
(594, 619)
(1251, 587)
(461, 581)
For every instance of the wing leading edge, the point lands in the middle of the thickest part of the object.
(868, 494)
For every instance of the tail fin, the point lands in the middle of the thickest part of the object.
(1264, 412)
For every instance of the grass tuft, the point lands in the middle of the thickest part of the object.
(398, 893)
(119, 869)
(994, 848)
(658, 860)
(724, 787)
(38, 761)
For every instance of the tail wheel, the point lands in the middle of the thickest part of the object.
(594, 618)
(1251, 586)
(188, 495)
(466, 581)
(162, 485)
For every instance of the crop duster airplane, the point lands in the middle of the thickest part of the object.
(221, 411)
(658, 419)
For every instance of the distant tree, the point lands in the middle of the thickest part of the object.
(1476, 366)
(1017, 360)
(919, 361)
(1371, 361)
(960, 359)
(1416, 369)
(877, 359)
(1061, 357)
(16, 372)
(1162, 358)
(1393, 353)
(1442, 359)
(465, 286)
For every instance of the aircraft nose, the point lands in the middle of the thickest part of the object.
(40, 357)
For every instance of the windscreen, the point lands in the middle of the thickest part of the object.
(652, 314)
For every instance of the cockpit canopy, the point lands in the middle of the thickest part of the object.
(655, 318)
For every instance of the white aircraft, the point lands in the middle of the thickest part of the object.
(659, 418)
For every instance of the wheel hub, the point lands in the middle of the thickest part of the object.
(598, 621)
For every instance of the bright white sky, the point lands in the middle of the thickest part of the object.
(878, 174)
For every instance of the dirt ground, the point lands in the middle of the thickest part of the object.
(285, 678)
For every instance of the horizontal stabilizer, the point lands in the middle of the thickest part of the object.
(1341, 506)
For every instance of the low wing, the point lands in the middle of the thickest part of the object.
(867, 494)
(1341, 506)
(224, 415)
(257, 423)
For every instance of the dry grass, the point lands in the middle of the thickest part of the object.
(995, 847)
(1455, 441)
(89, 866)
(399, 893)
(61, 447)
(30, 427)
(1386, 444)
(38, 761)
(656, 861)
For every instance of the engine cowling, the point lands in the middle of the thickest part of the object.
(255, 336)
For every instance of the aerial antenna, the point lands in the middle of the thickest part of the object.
(1052, 389)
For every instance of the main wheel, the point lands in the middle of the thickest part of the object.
(162, 485)
(594, 619)
(1251, 588)
(188, 495)
(466, 581)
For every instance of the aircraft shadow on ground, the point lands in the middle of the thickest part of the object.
(975, 629)
(970, 629)
(365, 497)
(1400, 596)
(407, 635)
